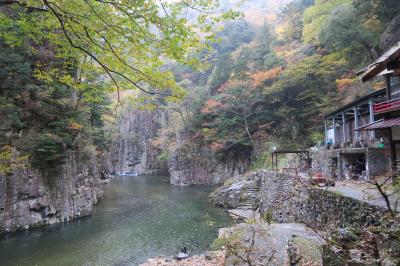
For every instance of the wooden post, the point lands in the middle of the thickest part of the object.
(356, 124)
(344, 128)
(326, 132)
(272, 161)
(371, 118)
(388, 88)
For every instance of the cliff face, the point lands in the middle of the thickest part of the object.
(194, 164)
(132, 152)
(26, 200)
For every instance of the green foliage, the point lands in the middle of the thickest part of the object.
(297, 97)
(232, 241)
(316, 16)
(231, 117)
(384, 10)
(44, 115)
(267, 216)
(293, 14)
(221, 72)
(11, 161)
(49, 152)
(285, 76)
(126, 40)
(344, 31)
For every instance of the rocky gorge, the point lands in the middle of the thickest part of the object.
(27, 200)
(133, 151)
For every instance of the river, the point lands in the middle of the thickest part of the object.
(137, 218)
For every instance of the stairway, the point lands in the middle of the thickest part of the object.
(250, 197)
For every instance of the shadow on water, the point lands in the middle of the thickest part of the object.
(137, 218)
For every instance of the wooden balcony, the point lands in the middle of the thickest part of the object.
(387, 106)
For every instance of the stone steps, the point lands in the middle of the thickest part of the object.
(250, 197)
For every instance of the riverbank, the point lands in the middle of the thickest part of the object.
(137, 218)
(354, 230)
(215, 258)
(258, 243)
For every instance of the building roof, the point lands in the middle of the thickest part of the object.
(374, 69)
(381, 124)
(368, 96)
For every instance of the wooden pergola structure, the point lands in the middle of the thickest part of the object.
(274, 156)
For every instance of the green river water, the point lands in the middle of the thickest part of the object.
(136, 219)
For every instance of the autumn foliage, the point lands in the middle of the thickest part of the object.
(260, 77)
(210, 106)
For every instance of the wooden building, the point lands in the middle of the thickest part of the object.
(363, 137)
(388, 110)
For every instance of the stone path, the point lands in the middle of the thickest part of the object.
(244, 214)
(273, 245)
(361, 191)
(249, 196)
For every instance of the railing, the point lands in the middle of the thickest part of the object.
(387, 106)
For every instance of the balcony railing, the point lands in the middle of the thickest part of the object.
(387, 106)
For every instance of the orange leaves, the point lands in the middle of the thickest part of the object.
(210, 106)
(216, 146)
(262, 76)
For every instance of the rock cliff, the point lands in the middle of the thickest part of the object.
(197, 164)
(132, 152)
(27, 200)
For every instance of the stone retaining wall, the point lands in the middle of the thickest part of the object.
(287, 199)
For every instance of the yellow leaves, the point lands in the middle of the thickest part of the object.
(262, 76)
(342, 84)
(373, 24)
(10, 160)
(280, 30)
(74, 126)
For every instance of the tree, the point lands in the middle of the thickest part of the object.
(292, 14)
(383, 10)
(127, 40)
(230, 118)
(345, 31)
(316, 16)
(300, 96)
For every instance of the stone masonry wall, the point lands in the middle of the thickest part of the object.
(289, 200)
(321, 163)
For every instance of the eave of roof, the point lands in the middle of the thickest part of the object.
(381, 124)
(358, 100)
(380, 64)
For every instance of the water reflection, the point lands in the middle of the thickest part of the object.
(138, 218)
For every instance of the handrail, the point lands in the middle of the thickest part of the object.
(387, 106)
